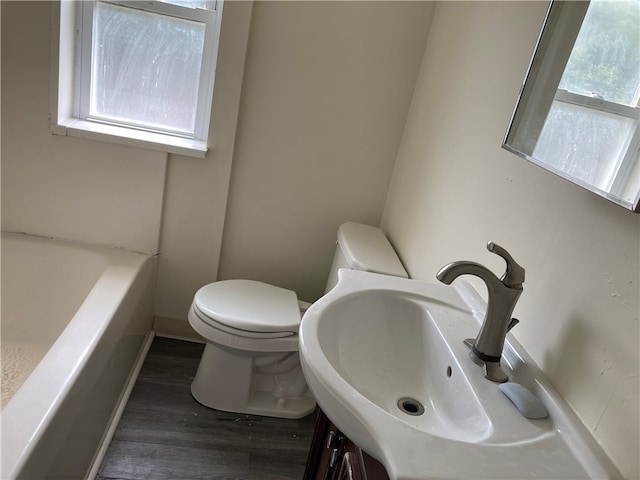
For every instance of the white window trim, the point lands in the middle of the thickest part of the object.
(595, 103)
(629, 147)
(64, 120)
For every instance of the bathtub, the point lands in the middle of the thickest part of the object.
(76, 323)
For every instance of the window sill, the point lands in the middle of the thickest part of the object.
(134, 138)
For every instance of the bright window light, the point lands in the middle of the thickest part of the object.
(593, 125)
(145, 69)
(144, 72)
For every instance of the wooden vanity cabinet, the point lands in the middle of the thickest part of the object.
(334, 457)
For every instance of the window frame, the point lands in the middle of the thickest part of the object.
(540, 89)
(629, 150)
(69, 66)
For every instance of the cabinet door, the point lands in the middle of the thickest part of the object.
(332, 456)
(327, 448)
(351, 467)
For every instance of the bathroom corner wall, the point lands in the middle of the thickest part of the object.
(197, 189)
(454, 189)
(110, 194)
(326, 93)
(66, 187)
(323, 97)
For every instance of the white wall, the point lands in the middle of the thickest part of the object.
(324, 100)
(66, 187)
(196, 189)
(326, 94)
(109, 194)
(326, 87)
(454, 189)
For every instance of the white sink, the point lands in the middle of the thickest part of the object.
(377, 349)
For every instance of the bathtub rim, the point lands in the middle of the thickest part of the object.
(32, 408)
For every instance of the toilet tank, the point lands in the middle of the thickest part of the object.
(366, 248)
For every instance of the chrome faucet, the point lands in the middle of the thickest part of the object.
(486, 348)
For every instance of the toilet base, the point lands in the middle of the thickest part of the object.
(271, 385)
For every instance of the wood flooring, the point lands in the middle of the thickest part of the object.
(165, 434)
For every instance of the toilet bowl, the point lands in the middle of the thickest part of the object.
(251, 363)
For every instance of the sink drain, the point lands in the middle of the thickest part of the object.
(410, 406)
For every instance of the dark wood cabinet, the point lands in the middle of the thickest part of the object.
(334, 457)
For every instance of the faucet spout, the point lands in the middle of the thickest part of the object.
(453, 270)
(503, 293)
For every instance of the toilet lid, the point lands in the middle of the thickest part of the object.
(250, 305)
(236, 332)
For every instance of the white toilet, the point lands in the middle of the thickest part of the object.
(251, 363)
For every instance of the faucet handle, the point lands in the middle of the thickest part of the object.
(514, 275)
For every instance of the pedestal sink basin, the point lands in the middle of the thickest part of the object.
(385, 359)
(391, 353)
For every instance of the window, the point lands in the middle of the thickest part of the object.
(143, 72)
(592, 128)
